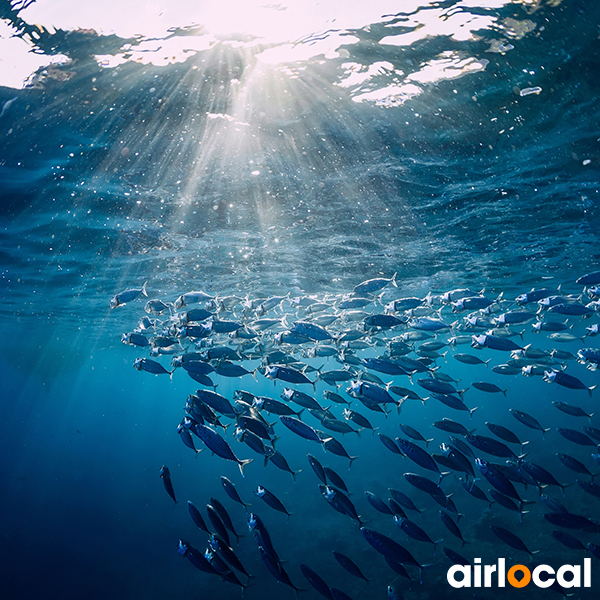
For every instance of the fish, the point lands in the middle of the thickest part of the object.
(275, 407)
(511, 539)
(494, 343)
(224, 517)
(576, 437)
(215, 443)
(217, 402)
(165, 475)
(135, 339)
(129, 295)
(568, 540)
(271, 500)
(389, 548)
(316, 581)
(490, 446)
(150, 366)
(540, 475)
(335, 376)
(332, 445)
(276, 569)
(197, 517)
(333, 397)
(437, 386)
(252, 441)
(300, 428)
(495, 476)
(373, 285)
(195, 557)
(455, 557)
(470, 359)
(258, 529)
(413, 530)
(404, 500)
(425, 485)
(370, 391)
(360, 420)
(572, 521)
(217, 522)
(453, 402)
(474, 490)
(452, 526)
(339, 502)
(553, 504)
(191, 298)
(226, 553)
(589, 279)
(288, 374)
(527, 420)
(317, 468)
(566, 380)
(384, 366)
(533, 296)
(311, 330)
(350, 566)
(335, 479)
(300, 398)
(570, 409)
(451, 426)
(490, 388)
(231, 491)
(186, 437)
(504, 433)
(575, 465)
(414, 434)
(428, 324)
(417, 454)
(571, 309)
(377, 503)
(390, 444)
(455, 459)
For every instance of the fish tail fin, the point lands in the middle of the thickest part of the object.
(461, 392)
(144, 289)
(253, 373)
(352, 459)
(399, 404)
(563, 486)
(423, 400)
(504, 392)
(266, 461)
(294, 473)
(435, 545)
(471, 411)
(243, 463)
(394, 283)
(427, 442)
(544, 431)
(590, 389)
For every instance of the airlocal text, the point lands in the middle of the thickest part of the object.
(519, 576)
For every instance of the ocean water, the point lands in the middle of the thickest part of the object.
(263, 150)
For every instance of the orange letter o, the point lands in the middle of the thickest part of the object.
(514, 581)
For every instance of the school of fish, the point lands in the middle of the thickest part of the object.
(368, 352)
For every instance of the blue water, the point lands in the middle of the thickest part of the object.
(248, 163)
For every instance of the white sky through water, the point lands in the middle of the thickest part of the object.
(238, 22)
